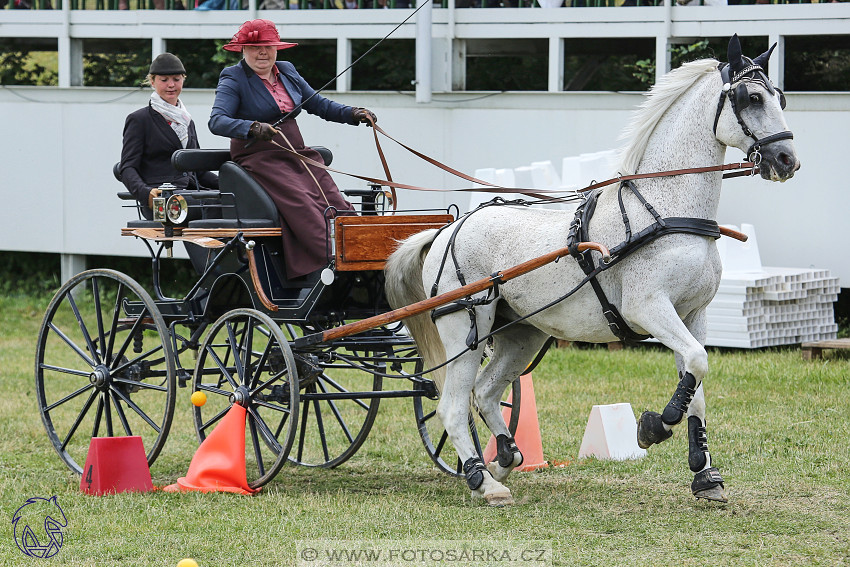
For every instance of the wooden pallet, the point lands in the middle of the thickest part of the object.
(815, 349)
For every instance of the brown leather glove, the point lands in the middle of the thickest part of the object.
(262, 131)
(363, 116)
(154, 192)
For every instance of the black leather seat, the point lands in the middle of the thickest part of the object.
(251, 206)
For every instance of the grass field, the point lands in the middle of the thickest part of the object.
(779, 430)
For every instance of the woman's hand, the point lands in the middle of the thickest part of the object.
(364, 116)
(262, 131)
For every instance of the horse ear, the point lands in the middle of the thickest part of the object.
(762, 59)
(734, 54)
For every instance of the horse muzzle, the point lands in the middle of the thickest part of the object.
(779, 161)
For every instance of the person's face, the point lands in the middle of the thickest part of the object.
(168, 87)
(260, 58)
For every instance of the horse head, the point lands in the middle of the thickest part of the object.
(752, 118)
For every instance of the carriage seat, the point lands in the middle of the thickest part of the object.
(249, 207)
(245, 204)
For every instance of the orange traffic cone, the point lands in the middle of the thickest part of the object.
(527, 434)
(219, 463)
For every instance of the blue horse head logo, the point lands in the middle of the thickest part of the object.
(37, 512)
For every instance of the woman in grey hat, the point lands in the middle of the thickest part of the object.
(153, 133)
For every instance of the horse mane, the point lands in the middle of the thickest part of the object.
(659, 99)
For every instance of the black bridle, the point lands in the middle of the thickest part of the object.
(739, 99)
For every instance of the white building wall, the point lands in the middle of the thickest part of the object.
(60, 145)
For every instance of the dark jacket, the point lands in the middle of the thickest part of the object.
(241, 98)
(149, 142)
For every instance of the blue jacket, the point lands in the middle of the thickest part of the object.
(241, 98)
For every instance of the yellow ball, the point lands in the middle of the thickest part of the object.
(188, 562)
(198, 399)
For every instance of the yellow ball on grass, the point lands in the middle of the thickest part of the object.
(188, 562)
(198, 399)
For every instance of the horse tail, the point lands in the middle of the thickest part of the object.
(403, 274)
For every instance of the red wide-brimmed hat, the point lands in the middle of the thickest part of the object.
(257, 32)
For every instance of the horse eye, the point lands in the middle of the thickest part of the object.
(755, 98)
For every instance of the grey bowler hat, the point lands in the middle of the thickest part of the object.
(167, 64)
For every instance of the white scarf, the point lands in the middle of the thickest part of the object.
(177, 115)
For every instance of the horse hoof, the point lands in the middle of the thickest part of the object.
(499, 499)
(650, 430)
(716, 494)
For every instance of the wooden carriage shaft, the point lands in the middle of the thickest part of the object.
(444, 298)
(461, 292)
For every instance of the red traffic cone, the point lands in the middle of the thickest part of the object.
(116, 464)
(527, 434)
(219, 463)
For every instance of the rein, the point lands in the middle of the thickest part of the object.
(738, 169)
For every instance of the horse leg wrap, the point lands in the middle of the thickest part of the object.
(681, 399)
(706, 480)
(505, 450)
(697, 444)
(651, 430)
(474, 470)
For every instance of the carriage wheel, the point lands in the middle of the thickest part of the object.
(246, 360)
(436, 439)
(334, 420)
(104, 366)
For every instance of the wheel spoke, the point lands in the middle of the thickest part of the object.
(339, 388)
(68, 398)
(79, 420)
(224, 371)
(70, 371)
(236, 347)
(256, 443)
(213, 389)
(215, 419)
(427, 416)
(106, 406)
(71, 344)
(132, 405)
(98, 413)
(133, 329)
(438, 450)
(121, 416)
(113, 328)
(321, 427)
(338, 416)
(140, 358)
(144, 385)
(83, 327)
(258, 369)
(303, 430)
(268, 382)
(264, 430)
(101, 337)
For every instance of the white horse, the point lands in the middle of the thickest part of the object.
(661, 289)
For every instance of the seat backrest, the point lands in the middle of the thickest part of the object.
(251, 200)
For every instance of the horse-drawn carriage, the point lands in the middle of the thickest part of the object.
(308, 359)
(113, 359)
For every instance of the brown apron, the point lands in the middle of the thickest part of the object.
(299, 200)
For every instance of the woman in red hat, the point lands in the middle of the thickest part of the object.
(250, 97)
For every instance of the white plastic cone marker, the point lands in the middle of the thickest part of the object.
(611, 433)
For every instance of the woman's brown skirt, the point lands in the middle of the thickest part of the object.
(300, 200)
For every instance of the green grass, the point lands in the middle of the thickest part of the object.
(779, 429)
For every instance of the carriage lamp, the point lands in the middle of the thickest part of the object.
(159, 209)
(160, 202)
(177, 209)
